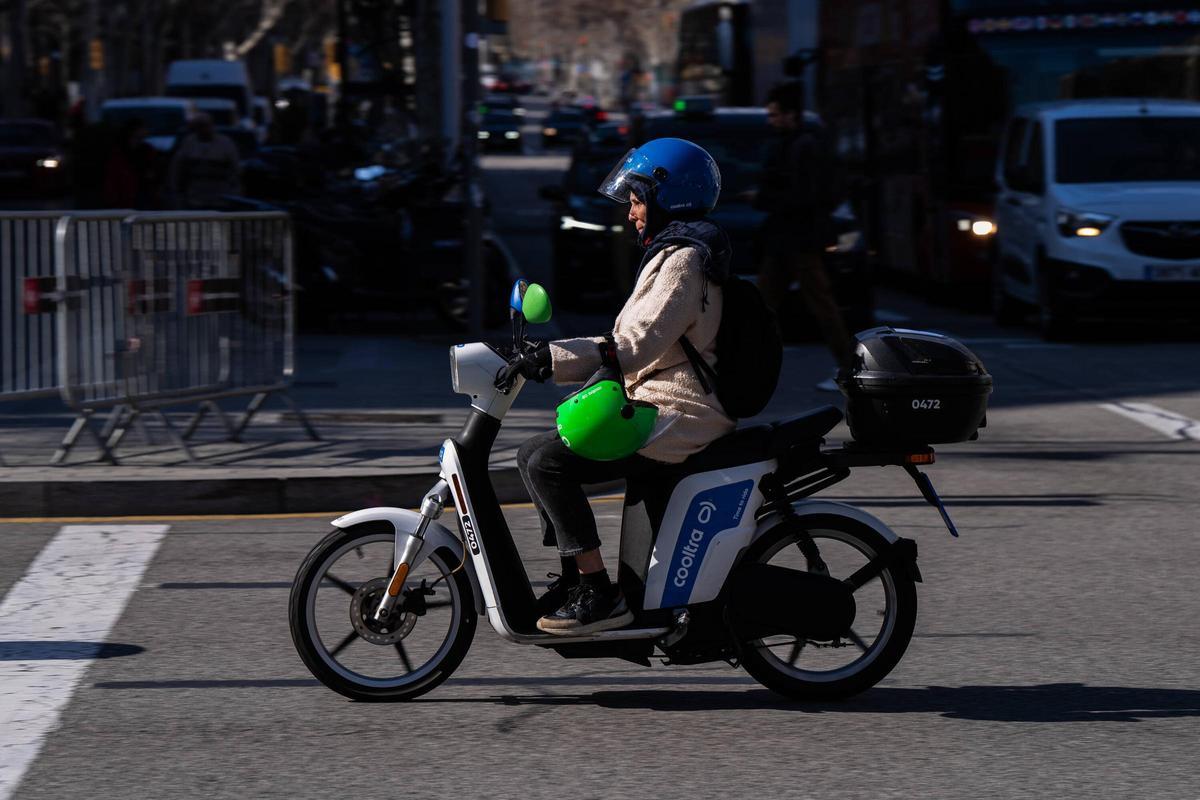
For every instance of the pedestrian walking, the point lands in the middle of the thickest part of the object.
(205, 168)
(797, 191)
(128, 168)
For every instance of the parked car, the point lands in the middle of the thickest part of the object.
(1098, 213)
(595, 255)
(592, 110)
(611, 134)
(165, 118)
(32, 159)
(507, 82)
(223, 113)
(502, 101)
(563, 126)
(499, 129)
(639, 108)
(375, 238)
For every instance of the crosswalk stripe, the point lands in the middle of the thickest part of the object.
(1168, 423)
(53, 622)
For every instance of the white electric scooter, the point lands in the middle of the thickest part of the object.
(722, 558)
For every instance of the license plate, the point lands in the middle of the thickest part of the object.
(1172, 272)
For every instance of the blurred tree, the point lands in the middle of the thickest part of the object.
(579, 34)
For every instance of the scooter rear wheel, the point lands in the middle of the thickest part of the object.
(421, 644)
(887, 613)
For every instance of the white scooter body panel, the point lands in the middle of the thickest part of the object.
(473, 371)
(452, 473)
(708, 522)
(813, 508)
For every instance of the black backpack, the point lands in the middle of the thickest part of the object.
(749, 352)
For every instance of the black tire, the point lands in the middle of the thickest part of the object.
(883, 654)
(429, 674)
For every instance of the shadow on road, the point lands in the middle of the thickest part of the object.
(1060, 702)
(65, 650)
(1053, 702)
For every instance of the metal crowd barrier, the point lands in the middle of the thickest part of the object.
(151, 310)
(28, 341)
(29, 338)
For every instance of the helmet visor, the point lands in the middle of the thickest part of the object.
(625, 179)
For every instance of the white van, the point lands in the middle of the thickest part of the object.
(1098, 212)
(215, 78)
(165, 118)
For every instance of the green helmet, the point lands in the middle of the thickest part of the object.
(600, 422)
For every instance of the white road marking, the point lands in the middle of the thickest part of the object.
(52, 624)
(1168, 423)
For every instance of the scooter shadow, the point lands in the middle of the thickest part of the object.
(1055, 702)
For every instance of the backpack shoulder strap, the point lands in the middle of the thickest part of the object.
(704, 372)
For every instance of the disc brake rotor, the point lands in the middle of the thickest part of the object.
(392, 628)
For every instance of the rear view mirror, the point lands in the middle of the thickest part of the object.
(536, 305)
(516, 299)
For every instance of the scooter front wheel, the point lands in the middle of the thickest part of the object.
(331, 615)
(886, 615)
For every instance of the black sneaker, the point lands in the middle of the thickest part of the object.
(556, 593)
(587, 610)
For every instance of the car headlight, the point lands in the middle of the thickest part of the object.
(512, 134)
(1081, 223)
(484, 135)
(50, 163)
(976, 226)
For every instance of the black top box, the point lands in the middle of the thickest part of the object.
(911, 387)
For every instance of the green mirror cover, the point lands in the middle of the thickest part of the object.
(536, 305)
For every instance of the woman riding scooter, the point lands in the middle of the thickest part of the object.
(670, 186)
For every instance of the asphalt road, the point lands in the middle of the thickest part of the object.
(1056, 654)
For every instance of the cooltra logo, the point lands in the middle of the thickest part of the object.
(712, 511)
(691, 547)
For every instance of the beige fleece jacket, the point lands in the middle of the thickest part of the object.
(665, 304)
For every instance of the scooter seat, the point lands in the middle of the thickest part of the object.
(805, 427)
(760, 442)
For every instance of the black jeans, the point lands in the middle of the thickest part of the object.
(555, 476)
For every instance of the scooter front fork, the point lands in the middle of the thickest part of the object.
(431, 509)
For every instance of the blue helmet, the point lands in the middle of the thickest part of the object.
(677, 176)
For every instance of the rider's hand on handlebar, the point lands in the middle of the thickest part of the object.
(534, 364)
